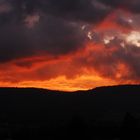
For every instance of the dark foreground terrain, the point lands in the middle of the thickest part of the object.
(106, 113)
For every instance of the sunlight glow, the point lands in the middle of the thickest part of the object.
(133, 38)
(61, 83)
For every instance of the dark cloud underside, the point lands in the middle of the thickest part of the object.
(57, 29)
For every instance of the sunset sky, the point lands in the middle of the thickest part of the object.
(69, 44)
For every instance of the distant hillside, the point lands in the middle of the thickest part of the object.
(104, 103)
(118, 89)
(103, 89)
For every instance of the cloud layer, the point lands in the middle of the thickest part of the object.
(77, 44)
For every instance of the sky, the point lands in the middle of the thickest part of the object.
(69, 44)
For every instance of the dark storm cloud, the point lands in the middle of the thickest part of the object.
(30, 27)
(113, 3)
(51, 36)
(83, 10)
(132, 5)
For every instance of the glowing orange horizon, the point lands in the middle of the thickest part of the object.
(63, 84)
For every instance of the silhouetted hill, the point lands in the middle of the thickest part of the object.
(101, 103)
(37, 112)
(120, 89)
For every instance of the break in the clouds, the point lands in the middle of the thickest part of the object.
(69, 45)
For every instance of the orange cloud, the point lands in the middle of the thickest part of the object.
(110, 22)
(82, 70)
(95, 64)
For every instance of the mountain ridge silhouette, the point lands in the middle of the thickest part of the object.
(96, 89)
(102, 103)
